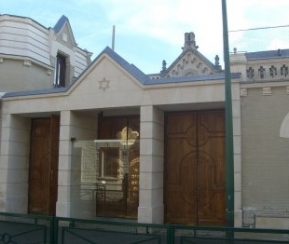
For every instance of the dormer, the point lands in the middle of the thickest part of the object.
(63, 32)
(66, 57)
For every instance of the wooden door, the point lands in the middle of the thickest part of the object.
(195, 168)
(43, 167)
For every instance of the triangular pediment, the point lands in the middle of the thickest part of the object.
(191, 62)
(109, 73)
(63, 32)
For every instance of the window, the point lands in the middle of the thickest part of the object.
(262, 71)
(273, 71)
(284, 70)
(60, 71)
(250, 73)
(109, 162)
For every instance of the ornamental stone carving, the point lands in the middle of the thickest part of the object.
(27, 63)
(104, 84)
(266, 91)
(244, 92)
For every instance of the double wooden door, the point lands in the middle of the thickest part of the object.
(43, 166)
(195, 168)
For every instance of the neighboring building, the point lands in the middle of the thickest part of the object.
(119, 143)
(35, 57)
(264, 130)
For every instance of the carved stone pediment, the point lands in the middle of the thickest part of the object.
(191, 61)
(189, 64)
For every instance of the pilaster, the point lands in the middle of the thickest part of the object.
(151, 208)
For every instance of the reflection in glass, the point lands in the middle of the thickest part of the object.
(105, 176)
(109, 162)
(118, 175)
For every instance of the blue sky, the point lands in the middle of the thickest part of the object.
(149, 31)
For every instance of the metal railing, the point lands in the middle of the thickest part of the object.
(20, 228)
(31, 229)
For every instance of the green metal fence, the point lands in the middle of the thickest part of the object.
(91, 231)
(218, 235)
(30, 229)
(18, 228)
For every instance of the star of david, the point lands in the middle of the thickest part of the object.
(104, 84)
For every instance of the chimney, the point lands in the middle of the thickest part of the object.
(190, 42)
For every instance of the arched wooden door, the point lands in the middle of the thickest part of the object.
(195, 168)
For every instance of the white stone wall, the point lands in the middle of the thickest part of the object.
(14, 164)
(24, 37)
(122, 92)
(18, 76)
(271, 68)
(238, 65)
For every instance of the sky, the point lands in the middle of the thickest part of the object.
(150, 31)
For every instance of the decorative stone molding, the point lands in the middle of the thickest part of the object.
(1, 60)
(48, 72)
(272, 72)
(244, 92)
(27, 63)
(188, 62)
(266, 91)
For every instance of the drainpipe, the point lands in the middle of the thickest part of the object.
(229, 124)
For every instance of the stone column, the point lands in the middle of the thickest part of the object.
(64, 166)
(151, 207)
(236, 106)
(14, 163)
(69, 203)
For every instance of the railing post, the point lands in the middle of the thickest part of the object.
(170, 234)
(54, 230)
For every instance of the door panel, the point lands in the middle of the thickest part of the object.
(211, 168)
(43, 166)
(181, 168)
(194, 168)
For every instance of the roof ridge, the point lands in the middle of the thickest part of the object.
(129, 67)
